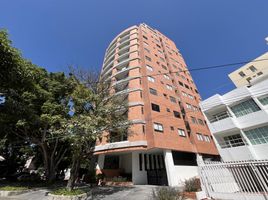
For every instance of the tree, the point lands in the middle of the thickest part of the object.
(35, 105)
(96, 110)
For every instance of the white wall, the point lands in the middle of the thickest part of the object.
(261, 151)
(138, 177)
(236, 153)
(183, 173)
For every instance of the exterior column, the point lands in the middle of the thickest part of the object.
(100, 163)
(170, 168)
(139, 177)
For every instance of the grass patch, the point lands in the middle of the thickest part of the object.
(13, 188)
(65, 192)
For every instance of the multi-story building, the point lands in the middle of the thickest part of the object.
(252, 70)
(238, 121)
(169, 132)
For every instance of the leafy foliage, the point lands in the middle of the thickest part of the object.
(192, 185)
(166, 193)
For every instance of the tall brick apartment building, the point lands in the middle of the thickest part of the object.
(169, 131)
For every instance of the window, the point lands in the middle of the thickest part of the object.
(181, 132)
(232, 141)
(245, 108)
(164, 67)
(140, 161)
(153, 91)
(172, 128)
(189, 106)
(155, 107)
(185, 85)
(180, 83)
(184, 94)
(145, 37)
(172, 99)
(169, 87)
(176, 114)
(158, 127)
(166, 77)
(258, 135)
(200, 121)
(168, 110)
(149, 68)
(190, 96)
(160, 52)
(242, 74)
(147, 50)
(148, 58)
(259, 73)
(206, 137)
(200, 136)
(165, 95)
(162, 59)
(252, 68)
(194, 120)
(263, 100)
(151, 79)
(158, 46)
(195, 108)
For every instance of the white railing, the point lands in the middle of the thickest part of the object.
(235, 180)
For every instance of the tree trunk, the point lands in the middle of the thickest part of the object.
(49, 165)
(74, 172)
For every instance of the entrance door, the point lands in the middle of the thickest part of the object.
(157, 177)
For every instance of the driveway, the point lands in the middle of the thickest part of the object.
(137, 192)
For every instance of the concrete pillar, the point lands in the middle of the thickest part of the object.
(100, 163)
(139, 177)
(170, 168)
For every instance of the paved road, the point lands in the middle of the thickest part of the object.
(137, 192)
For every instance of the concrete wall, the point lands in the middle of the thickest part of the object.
(138, 177)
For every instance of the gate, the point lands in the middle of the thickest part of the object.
(241, 180)
(157, 177)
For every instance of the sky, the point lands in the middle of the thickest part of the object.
(55, 34)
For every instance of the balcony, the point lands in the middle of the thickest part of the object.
(252, 119)
(223, 125)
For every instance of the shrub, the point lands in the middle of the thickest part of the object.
(13, 188)
(166, 193)
(65, 192)
(192, 185)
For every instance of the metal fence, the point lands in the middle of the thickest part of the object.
(235, 180)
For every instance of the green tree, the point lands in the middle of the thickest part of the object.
(96, 110)
(35, 105)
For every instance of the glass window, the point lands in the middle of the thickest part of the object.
(194, 120)
(153, 91)
(172, 99)
(207, 138)
(166, 76)
(158, 127)
(189, 106)
(149, 68)
(148, 58)
(242, 74)
(176, 114)
(155, 107)
(151, 79)
(245, 108)
(263, 100)
(258, 135)
(181, 132)
(252, 68)
(200, 121)
(169, 87)
(200, 136)
(233, 141)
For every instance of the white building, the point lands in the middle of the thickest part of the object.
(238, 121)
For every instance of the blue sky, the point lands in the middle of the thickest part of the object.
(57, 33)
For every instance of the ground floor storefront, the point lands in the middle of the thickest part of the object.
(153, 167)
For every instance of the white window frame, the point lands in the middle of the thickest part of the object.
(181, 132)
(151, 79)
(158, 127)
(200, 137)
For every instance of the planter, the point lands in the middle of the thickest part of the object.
(84, 196)
(123, 184)
(190, 195)
(5, 193)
